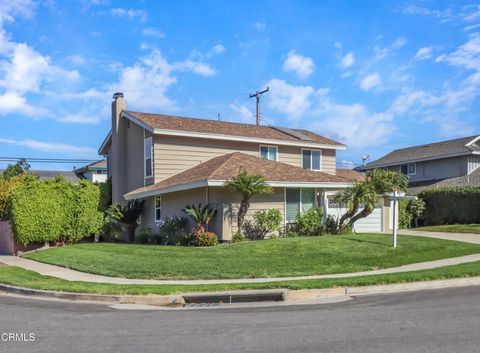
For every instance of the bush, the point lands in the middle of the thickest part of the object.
(331, 225)
(205, 239)
(237, 237)
(54, 210)
(105, 195)
(144, 236)
(404, 216)
(172, 232)
(264, 223)
(112, 232)
(451, 205)
(310, 223)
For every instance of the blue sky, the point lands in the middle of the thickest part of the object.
(376, 75)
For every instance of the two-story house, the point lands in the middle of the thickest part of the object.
(172, 161)
(447, 163)
(96, 172)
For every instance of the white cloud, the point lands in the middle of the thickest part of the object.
(130, 13)
(382, 52)
(348, 60)
(152, 32)
(260, 25)
(370, 81)
(52, 147)
(243, 113)
(218, 49)
(424, 53)
(146, 82)
(290, 100)
(466, 56)
(303, 66)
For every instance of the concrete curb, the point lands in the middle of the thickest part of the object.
(283, 295)
(166, 300)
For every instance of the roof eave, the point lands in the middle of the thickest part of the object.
(203, 183)
(102, 150)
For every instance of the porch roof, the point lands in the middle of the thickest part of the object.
(216, 170)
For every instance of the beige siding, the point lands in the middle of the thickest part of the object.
(175, 154)
(329, 161)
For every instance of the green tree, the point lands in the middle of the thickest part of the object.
(416, 209)
(202, 216)
(127, 214)
(378, 183)
(247, 185)
(17, 169)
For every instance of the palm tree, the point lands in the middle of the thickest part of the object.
(247, 185)
(201, 215)
(127, 214)
(359, 194)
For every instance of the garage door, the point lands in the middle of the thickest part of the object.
(372, 223)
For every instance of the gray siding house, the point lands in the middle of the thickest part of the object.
(447, 163)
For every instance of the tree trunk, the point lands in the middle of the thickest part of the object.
(130, 229)
(362, 214)
(242, 211)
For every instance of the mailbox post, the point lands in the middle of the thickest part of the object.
(396, 198)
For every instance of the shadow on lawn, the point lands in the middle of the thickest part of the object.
(367, 241)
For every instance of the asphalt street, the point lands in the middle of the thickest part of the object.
(446, 320)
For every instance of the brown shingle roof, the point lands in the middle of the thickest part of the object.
(428, 151)
(350, 174)
(228, 166)
(176, 123)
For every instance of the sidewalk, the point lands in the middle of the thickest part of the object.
(72, 275)
(464, 237)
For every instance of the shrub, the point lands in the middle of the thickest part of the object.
(205, 239)
(237, 237)
(264, 223)
(54, 210)
(105, 195)
(144, 236)
(450, 205)
(310, 223)
(112, 232)
(331, 225)
(172, 232)
(291, 234)
(404, 216)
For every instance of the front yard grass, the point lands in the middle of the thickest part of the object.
(268, 258)
(20, 277)
(453, 228)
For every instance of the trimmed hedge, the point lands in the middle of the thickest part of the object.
(451, 205)
(54, 210)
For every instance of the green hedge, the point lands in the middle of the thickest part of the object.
(54, 210)
(451, 205)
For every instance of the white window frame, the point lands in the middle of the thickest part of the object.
(145, 157)
(321, 158)
(300, 202)
(414, 168)
(268, 152)
(156, 207)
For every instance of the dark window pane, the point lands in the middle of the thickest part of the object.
(307, 154)
(293, 203)
(316, 160)
(264, 152)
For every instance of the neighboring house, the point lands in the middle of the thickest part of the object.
(172, 161)
(95, 172)
(447, 163)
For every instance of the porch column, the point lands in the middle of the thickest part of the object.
(324, 200)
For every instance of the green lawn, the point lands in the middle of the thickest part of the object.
(453, 228)
(24, 278)
(268, 258)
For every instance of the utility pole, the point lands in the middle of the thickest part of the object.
(257, 95)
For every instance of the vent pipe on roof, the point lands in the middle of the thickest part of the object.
(118, 95)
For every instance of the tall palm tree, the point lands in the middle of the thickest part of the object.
(247, 185)
(353, 197)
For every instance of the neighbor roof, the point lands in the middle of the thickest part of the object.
(228, 166)
(435, 150)
(177, 123)
(48, 174)
(350, 174)
(98, 165)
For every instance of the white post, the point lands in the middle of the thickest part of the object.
(394, 240)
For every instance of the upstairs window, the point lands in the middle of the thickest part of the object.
(148, 157)
(269, 152)
(311, 159)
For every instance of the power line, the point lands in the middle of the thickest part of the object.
(46, 160)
